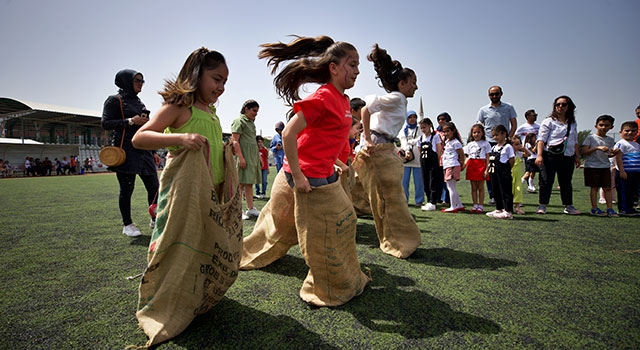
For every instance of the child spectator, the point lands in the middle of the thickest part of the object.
(516, 173)
(501, 160)
(243, 133)
(477, 151)
(452, 163)
(264, 167)
(431, 163)
(597, 149)
(628, 168)
(530, 166)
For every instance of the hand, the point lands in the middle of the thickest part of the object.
(242, 163)
(539, 160)
(139, 120)
(623, 174)
(301, 183)
(193, 141)
(577, 158)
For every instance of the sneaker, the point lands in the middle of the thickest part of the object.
(428, 207)
(492, 201)
(602, 201)
(131, 230)
(253, 212)
(449, 210)
(493, 213)
(542, 209)
(571, 210)
(631, 212)
(152, 223)
(531, 190)
(612, 213)
(260, 196)
(245, 216)
(598, 212)
(505, 215)
(480, 209)
(460, 209)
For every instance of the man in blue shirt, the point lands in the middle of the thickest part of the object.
(494, 114)
(497, 113)
(276, 146)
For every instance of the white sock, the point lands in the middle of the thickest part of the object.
(531, 182)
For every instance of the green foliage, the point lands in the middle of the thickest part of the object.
(538, 281)
(583, 135)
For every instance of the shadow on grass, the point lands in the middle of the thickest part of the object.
(141, 241)
(367, 235)
(447, 257)
(390, 305)
(233, 325)
(288, 265)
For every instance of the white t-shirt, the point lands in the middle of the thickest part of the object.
(505, 153)
(477, 149)
(597, 159)
(411, 141)
(450, 155)
(388, 113)
(524, 129)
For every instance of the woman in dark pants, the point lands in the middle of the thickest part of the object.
(124, 114)
(559, 130)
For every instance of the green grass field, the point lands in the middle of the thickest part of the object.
(536, 282)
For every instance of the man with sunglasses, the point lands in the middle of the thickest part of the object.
(496, 113)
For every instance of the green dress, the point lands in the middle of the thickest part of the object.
(207, 125)
(249, 146)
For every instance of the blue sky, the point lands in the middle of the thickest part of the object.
(67, 52)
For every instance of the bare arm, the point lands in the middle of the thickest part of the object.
(151, 135)
(238, 151)
(366, 126)
(514, 126)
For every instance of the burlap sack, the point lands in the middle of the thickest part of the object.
(360, 197)
(348, 180)
(380, 172)
(274, 232)
(195, 249)
(326, 226)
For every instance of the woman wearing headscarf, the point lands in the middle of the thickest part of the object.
(410, 152)
(123, 114)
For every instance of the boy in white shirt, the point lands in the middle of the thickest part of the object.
(597, 149)
(628, 168)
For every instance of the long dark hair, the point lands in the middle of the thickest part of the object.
(571, 109)
(181, 91)
(390, 71)
(310, 59)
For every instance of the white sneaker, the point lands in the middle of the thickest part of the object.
(152, 223)
(602, 201)
(428, 207)
(245, 216)
(492, 201)
(253, 212)
(503, 215)
(493, 213)
(131, 230)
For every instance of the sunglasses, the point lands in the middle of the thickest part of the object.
(561, 104)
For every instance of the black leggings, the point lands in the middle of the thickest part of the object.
(127, 184)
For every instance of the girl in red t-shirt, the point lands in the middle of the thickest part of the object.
(307, 191)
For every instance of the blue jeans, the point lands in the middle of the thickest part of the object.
(418, 184)
(265, 174)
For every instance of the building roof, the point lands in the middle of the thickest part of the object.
(46, 113)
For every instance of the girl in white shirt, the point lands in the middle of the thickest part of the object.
(477, 151)
(501, 160)
(452, 163)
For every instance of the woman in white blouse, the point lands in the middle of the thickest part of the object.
(558, 153)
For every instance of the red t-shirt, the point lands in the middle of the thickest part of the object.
(264, 156)
(328, 116)
(345, 153)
